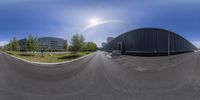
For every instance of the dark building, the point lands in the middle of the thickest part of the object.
(150, 41)
(110, 39)
(22, 44)
(47, 43)
(103, 44)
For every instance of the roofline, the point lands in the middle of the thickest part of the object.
(154, 28)
(45, 37)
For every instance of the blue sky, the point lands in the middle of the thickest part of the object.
(63, 18)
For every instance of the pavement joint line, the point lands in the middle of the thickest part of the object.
(142, 69)
(41, 63)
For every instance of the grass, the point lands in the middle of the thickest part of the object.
(36, 57)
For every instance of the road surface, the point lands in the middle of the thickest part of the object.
(98, 77)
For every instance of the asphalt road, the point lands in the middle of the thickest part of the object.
(98, 77)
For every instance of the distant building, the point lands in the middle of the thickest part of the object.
(103, 44)
(109, 39)
(47, 43)
(52, 43)
(22, 44)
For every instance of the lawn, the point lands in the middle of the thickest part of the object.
(36, 57)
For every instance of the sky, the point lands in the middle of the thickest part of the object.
(63, 18)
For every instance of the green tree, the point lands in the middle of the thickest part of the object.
(90, 46)
(10, 46)
(77, 42)
(5, 47)
(94, 46)
(36, 44)
(30, 43)
(65, 46)
(15, 44)
(70, 48)
(85, 48)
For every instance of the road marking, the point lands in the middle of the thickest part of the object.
(109, 55)
(139, 68)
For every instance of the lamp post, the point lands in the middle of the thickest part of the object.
(169, 47)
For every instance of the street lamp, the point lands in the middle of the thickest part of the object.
(169, 33)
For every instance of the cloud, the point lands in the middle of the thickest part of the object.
(196, 43)
(2, 43)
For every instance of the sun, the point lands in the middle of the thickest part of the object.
(94, 21)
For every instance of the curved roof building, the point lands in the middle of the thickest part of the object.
(150, 41)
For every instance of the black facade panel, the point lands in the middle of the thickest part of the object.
(150, 40)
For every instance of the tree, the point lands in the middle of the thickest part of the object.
(70, 48)
(89, 46)
(92, 46)
(5, 47)
(36, 44)
(85, 46)
(10, 46)
(65, 46)
(15, 44)
(30, 43)
(77, 42)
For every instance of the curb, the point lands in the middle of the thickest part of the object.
(41, 63)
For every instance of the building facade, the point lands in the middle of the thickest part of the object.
(109, 39)
(46, 43)
(153, 41)
(52, 43)
(22, 44)
(103, 44)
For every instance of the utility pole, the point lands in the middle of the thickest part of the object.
(169, 47)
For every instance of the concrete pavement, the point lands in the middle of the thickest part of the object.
(97, 77)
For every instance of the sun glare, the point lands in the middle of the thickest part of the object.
(94, 21)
